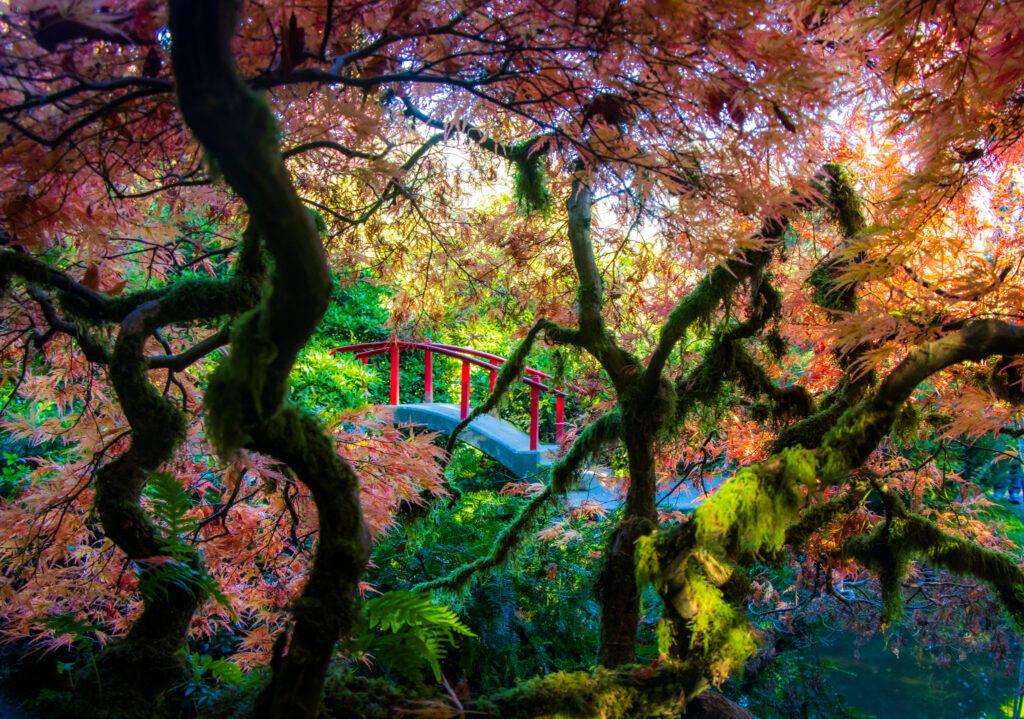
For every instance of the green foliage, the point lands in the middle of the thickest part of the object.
(82, 633)
(358, 312)
(988, 461)
(321, 380)
(405, 630)
(526, 614)
(471, 470)
(208, 676)
(13, 472)
(170, 504)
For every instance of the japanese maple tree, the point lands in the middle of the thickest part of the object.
(181, 179)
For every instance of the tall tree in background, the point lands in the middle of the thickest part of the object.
(706, 132)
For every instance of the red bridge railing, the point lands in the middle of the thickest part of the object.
(470, 358)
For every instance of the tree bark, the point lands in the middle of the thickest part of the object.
(246, 395)
(618, 593)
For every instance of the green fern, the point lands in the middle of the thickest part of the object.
(405, 629)
(170, 505)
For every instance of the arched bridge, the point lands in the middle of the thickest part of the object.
(520, 452)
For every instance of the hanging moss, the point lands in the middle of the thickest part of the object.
(775, 344)
(853, 438)
(891, 545)
(827, 292)
(749, 514)
(234, 393)
(845, 203)
(530, 179)
(906, 423)
(886, 552)
(844, 207)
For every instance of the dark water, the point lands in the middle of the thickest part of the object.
(913, 685)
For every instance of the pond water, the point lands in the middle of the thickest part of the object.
(913, 685)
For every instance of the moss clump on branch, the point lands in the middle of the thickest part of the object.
(530, 179)
(626, 693)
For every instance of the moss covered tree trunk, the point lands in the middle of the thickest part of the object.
(246, 395)
(138, 670)
(618, 592)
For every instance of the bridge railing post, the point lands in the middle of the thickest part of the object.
(559, 418)
(534, 418)
(394, 372)
(494, 375)
(464, 404)
(428, 376)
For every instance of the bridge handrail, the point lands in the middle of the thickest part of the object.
(450, 351)
(468, 357)
(493, 357)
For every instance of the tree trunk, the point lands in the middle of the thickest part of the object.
(618, 593)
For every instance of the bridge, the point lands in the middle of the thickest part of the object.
(522, 453)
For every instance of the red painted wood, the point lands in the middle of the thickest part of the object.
(494, 374)
(428, 376)
(447, 350)
(559, 418)
(464, 405)
(394, 373)
(534, 418)
(468, 357)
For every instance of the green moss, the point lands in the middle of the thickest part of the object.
(845, 203)
(235, 392)
(530, 180)
(747, 517)
(648, 569)
(845, 209)
(855, 435)
(749, 514)
(907, 420)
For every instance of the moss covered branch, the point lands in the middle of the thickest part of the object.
(904, 535)
(598, 435)
(511, 371)
(749, 516)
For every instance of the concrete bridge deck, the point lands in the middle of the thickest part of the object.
(510, 447)
(495, 437)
